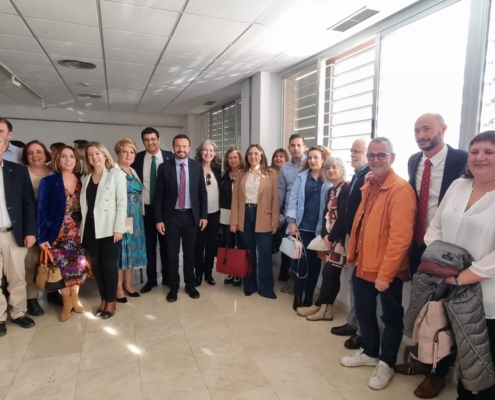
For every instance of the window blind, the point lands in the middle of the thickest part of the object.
(487, 121)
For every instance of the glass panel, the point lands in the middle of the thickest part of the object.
(353, 102)
(488, 102)
(354, 75)
(353, 115)
(353, 89)
(361, 58)
(216, 128)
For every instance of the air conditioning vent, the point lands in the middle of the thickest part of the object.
(77, 64)
(353, 20)
(209, 103)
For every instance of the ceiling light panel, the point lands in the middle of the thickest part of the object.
(51, 30)
(171, 5)
(207, 29)
(81, 12)
(71, 50)
(133, 41)
(197, 64)
(13, 25)
(17, 57)
(130, 56)
(19, 43)
(236, 10)
(248, 55)
(194, 48)
(129, 18)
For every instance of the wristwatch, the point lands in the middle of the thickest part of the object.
(456, 282)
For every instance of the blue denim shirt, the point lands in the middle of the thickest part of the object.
(312, 191)
(288, 175)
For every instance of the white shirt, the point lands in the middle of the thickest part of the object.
(213, 195)
(437, 168)
(13, 154)
(474, 230)
(252, 188)
(146, 174)
(5, 221)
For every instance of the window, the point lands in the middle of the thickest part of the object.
(488, 101)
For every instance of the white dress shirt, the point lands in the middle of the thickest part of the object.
(213, 195)
(437, 168)
(252, 188)
(13, 154)
(146, 174)
(5, 221)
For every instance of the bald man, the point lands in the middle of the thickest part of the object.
(431, 172)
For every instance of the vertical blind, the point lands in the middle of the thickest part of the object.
(488, 101)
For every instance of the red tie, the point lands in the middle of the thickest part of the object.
(422, 214)
(182, 187)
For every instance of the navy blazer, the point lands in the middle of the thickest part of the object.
(51, 207)
(139, 161)
(354, 199)
(167, 191)
(20, 201)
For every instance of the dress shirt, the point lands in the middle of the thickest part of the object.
(437, 168)
(357, 175)
(5, 221)
(13, 154)
(146, 174)
(213, 195)
(188, 196)
(287, 177)
(252, 188)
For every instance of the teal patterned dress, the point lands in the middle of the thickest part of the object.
(134, 245)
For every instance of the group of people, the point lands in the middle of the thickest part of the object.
(99, 217)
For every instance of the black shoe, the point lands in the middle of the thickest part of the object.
(34, 309)
(192, 292)
(343, 330)
(272, 296)
(24, 322)
(354, 343)
(133, 294)
(3, 329)
(209, 280)
(248, 293)
(55, 298)
(122, 300)
(172, 295)
(147, 287)
(297, 302)
(308, 300)
(107, 315)
(283, 277)
(237, 281)
(199, 279)
(228, 280)
(99, 312)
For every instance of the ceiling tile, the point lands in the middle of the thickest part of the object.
(219, 79)
(19, 43)
(133, 41)
(4, 99)
(82, 12)
(13, 25)
(6, 8)
(172, 5)
(229, 67)
(35, 73)
(129, 18)
(129, 56)
(127, 82)
(193, 48)
(71, 33)
(265, 37)
(133, 69)
(178, 74)
(17, 57)
(184, 62)
(166, 85)
(153, 106)
(66, 49)
(248, 55)
(213, 30)
(237, 10)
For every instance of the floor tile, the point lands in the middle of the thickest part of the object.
(318, 388)
(265, 393)
(191, 308)
(191, 387)
(172, 366)
(154, 328)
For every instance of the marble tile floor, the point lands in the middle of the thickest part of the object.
(223, 346)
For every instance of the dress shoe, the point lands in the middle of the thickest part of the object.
(209, 280)
(172, 295)
(55, 298)
(271, 296)
(3, 329)
(24, 322)
(343, 330)
(297, 302)
(34, 309)
(133, 294)
(354, 343)
(147, 287)
(122, 300)
(229, 279)
(417, 368)
(110, 309)
(431, 387)
(199, 280)
(248, 293)
(192, 292)
(99, 312)
(237, 281)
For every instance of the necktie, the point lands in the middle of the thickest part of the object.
(182, 187)
(422, 213)
(152, 179)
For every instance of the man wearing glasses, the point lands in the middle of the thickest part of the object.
(146, 166)
(380, 239)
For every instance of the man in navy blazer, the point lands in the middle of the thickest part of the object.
(17, 234)
(145, 161)
(179, 212)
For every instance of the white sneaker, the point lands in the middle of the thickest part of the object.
(381, 376)
(358, 359)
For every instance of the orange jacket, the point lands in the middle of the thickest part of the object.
(389, 230)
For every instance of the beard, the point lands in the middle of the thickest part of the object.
(433, 142)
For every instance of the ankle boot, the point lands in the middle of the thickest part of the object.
(323, 314)
(308, 299)
(305, 311)
(67, 308)
(75, 302)
(297, 301)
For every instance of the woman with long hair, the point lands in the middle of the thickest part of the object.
(255, 213)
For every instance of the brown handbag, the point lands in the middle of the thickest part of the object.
(48, 275)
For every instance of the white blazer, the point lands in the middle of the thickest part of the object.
(110, 205)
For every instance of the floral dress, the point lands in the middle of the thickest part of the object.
(133, 244)
(67, 251)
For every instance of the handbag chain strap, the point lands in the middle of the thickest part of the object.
(303, 250)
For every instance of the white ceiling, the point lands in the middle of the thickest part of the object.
(162, 56)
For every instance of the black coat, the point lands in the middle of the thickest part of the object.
(20, 201)
(354, 199)
(139, 161)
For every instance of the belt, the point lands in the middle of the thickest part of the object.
(182, 209)
(251, 205)
(6, 229)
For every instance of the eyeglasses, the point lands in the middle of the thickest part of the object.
(380, 156)
(254, 153)
(208, 179)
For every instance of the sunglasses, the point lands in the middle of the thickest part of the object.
(208, 179)
(380, 156)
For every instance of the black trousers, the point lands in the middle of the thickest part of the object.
(330, 285)
(152, 237)
(105, 254)
(206, 245)
(182, 226)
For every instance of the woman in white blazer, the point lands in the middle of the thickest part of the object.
(104, 212)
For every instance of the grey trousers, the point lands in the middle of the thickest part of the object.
(351, 317)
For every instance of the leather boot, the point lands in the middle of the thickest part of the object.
(305, 311)
(75, 302)
(297, 302)
(67, 308)
(308, 299)
(431, 387)
(323, 314)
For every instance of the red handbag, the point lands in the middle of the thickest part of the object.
(233, 261)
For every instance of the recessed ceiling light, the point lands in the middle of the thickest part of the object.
(77, 64)
(90, 95)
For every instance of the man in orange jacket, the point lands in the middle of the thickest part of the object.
(380, 243)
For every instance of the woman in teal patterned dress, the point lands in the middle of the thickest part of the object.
(133, 244)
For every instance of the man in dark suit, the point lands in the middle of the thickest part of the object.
(17, 234)
(431, 172)
(180, 207)
(146, 166)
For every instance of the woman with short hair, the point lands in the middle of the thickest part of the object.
(279, 158)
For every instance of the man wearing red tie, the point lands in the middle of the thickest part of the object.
(431, 172)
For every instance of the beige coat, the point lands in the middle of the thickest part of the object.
(267, 212)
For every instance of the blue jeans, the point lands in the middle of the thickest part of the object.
(261, 278)
(308, 266)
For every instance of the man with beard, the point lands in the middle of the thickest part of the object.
(431, 172)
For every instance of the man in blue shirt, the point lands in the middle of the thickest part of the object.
(13, 153)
